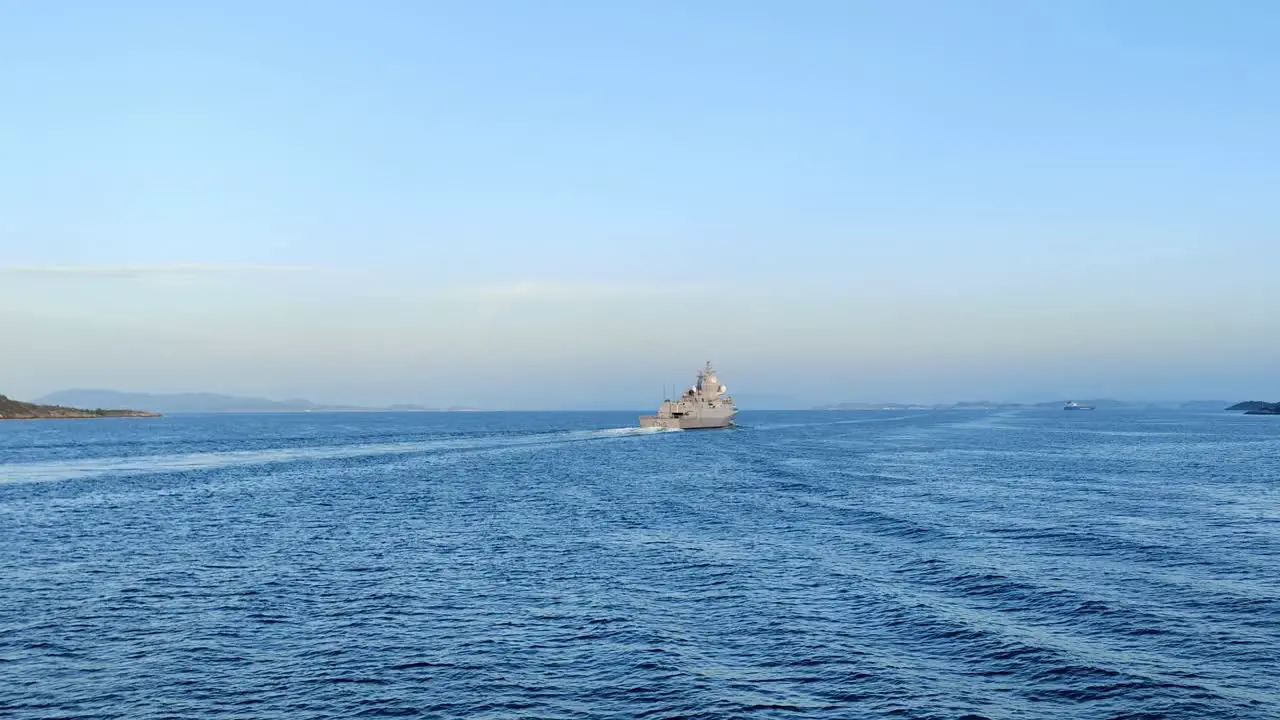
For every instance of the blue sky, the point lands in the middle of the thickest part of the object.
(487, 202)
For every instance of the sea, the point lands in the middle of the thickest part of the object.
(1021, 564)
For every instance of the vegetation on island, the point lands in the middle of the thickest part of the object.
(17, 410)
(1247, 405)
(1256, 407)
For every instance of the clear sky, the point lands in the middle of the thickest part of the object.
(547, 204)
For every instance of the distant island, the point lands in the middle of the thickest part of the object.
(1100, 403)
(973, 405)
(180, 403)
(1256, 407)
(16, 410)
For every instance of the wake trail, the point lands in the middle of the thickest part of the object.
(51, 471)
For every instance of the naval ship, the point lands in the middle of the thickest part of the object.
(1073, 405)
(701, 407)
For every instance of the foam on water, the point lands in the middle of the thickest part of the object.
(84, 468)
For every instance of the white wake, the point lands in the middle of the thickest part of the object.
(53, 470)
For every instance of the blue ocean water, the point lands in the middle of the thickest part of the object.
(826, 565)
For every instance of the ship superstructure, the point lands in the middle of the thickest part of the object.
(706, 405)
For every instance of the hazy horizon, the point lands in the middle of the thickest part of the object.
(747, 401)
(572, 205)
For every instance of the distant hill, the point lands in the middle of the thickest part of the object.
(1100, 403)
(974, 405)
(178, 403)
(1203, 405)
(16, 410)
(1248, 405)
(880, 406)
(1256, 407)
(766, 401)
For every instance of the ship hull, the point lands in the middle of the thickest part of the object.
(685, 423)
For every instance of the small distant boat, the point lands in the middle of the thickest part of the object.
(1073, 405)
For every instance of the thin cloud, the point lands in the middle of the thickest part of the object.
(143, 271)
(538, 290)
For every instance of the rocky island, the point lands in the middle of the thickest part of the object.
(1256, 407)
(15, 410)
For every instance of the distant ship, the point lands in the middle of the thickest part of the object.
(1073, 405)
(703, 406)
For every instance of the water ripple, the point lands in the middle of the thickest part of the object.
(929, 565)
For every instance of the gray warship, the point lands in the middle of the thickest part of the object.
(702, 407)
